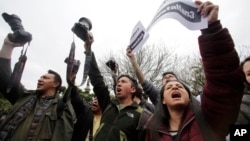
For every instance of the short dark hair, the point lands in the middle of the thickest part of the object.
(57, 78)
(134, 81)
(169, 72)
(139, 92)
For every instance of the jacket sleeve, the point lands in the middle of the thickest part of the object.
(5, 73)
(224, 78)
(152, 92)
(99, 87)
(84, 116)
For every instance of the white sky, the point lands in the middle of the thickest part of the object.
(50, 22)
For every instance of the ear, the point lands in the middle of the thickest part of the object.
(56, 84)
(163, 102)
(133, 90)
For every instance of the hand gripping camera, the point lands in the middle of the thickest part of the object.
(19, 35)
(82, 27)
(111, 63)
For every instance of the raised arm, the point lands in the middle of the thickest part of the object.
(5, 70)
(96, 79)
(148, 87)
(224, 78)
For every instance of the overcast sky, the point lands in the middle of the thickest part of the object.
(50, 23)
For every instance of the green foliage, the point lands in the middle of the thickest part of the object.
(86, 95)
(5, 106)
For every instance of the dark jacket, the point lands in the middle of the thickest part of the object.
(116, 125)
(146, 105)
(222, 92)
(244, 114)
(50, 127)
(84, 116)
(152, 92)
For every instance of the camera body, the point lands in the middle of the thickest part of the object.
(19, 35)
(75, 65)
(111, 64)
(82, 27)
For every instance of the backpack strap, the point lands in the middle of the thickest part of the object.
(145, 115)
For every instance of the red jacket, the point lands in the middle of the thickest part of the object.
(222, 92)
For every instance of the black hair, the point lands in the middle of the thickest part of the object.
(169, 72)
(145, 96)
(244, 61)
(242, 64)
(56, 79)
(161, 115)
(134, 82)
(139, 93)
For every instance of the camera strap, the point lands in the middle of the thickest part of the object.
(73, 65)
(88, 56)
(18, 70)
(70, 64)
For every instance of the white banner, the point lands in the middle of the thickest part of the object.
(139, 37)
(184, 11)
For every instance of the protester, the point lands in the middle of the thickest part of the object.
(138, 96)
(140, 100)
(121, 118)
(179, 116)
(35, 114)
(84, 116)
(149, 88)
(88, 117)
(244, 114)
(96, 109)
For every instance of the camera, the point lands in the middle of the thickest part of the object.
(111, 64)
(76, 65)
(82, 27)
(19, 35)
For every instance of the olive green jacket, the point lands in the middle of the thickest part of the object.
(51, 127)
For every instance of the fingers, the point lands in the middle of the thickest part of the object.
(209, 10)
(129, 51)
(89, 41)
(7, 41)
(116, 68)
(90, 38)
(197, 2)
(213, 14)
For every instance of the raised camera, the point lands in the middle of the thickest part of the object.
(82, 27)
(111, 64)
(19, 35)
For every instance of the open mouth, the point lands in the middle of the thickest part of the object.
(39, 84)
(94, 105)
(176, 95)
(118, 90)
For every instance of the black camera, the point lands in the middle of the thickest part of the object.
(82, 27)
(76, 65)
(15, 23)
(111, 64)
